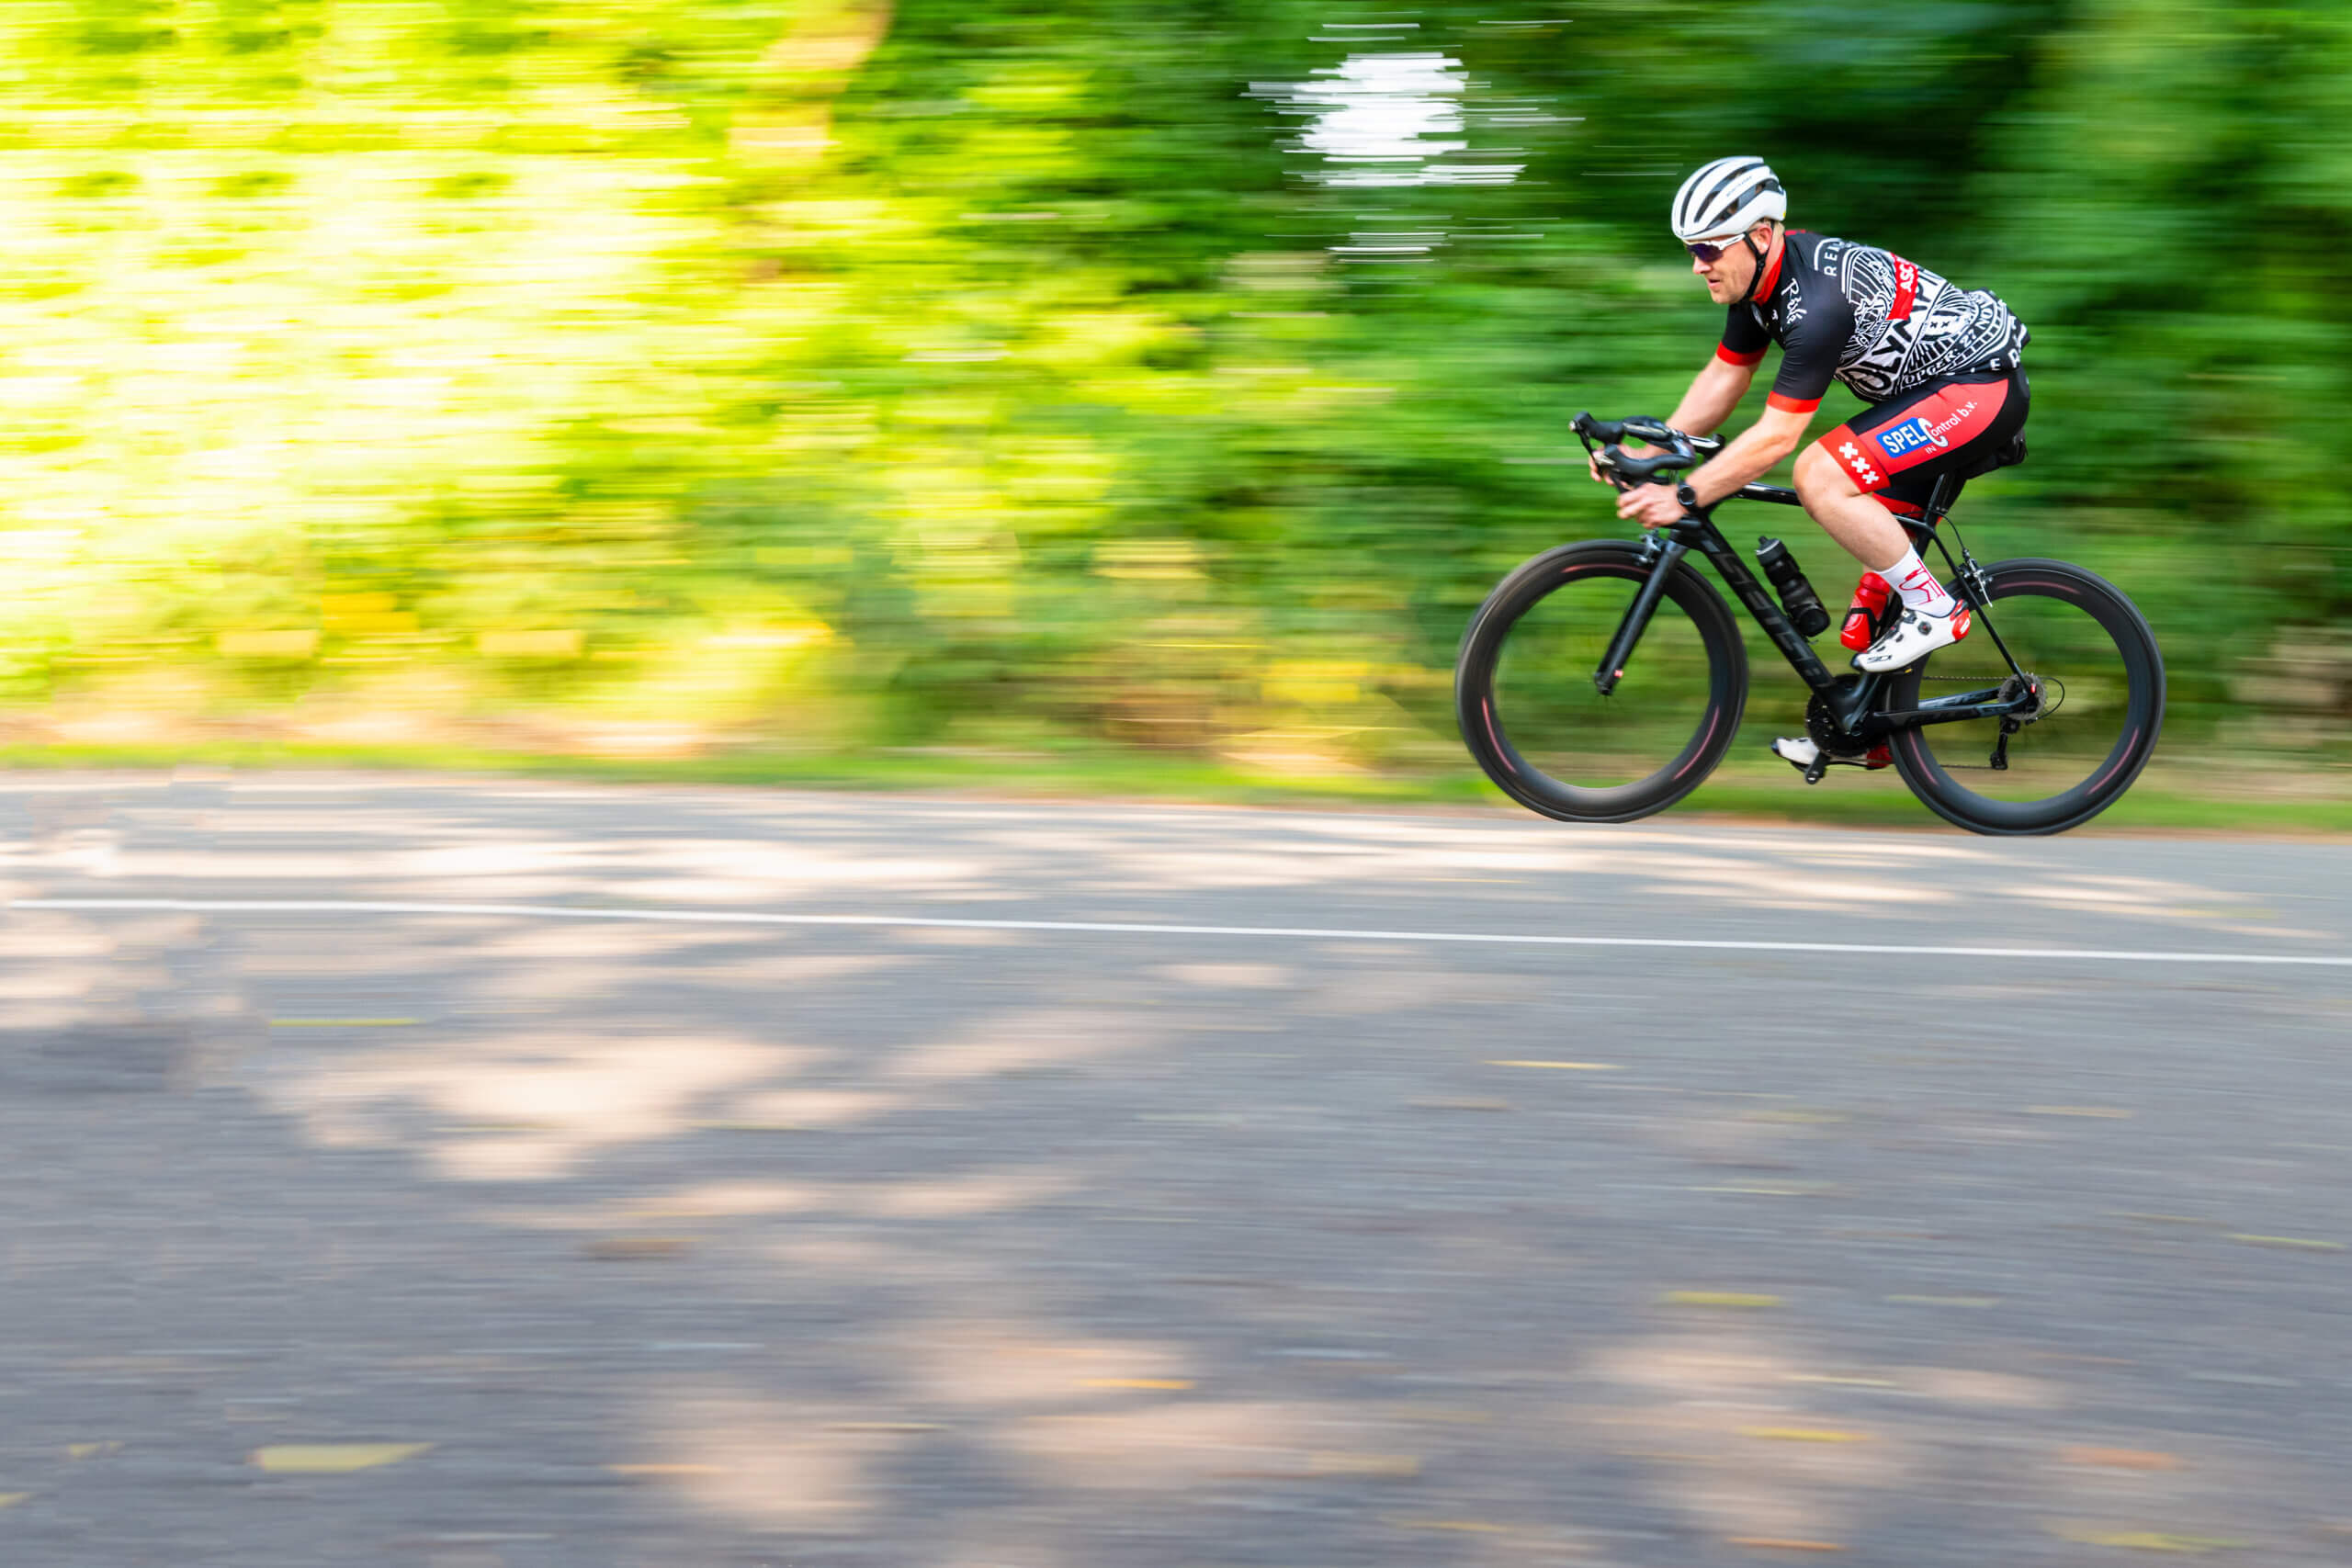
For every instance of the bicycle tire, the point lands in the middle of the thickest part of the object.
(1485, 716)
(2137, 721)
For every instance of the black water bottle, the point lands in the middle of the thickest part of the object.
(1797, 596)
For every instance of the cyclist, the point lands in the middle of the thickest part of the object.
(1938, 366)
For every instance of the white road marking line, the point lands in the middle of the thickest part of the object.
(1136, 928)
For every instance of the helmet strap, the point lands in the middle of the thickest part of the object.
(1756, 276)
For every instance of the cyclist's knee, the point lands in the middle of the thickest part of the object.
(1820, 474)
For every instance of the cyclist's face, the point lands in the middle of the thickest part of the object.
(1730, 273)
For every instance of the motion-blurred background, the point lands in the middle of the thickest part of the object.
(1055, 379)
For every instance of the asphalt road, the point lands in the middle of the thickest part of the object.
(487, 1236)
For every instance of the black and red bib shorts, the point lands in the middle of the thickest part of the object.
(1961, 426)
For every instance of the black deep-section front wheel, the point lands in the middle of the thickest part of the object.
(2102, 681)
(1523, 690)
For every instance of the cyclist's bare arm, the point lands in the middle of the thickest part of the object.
(1714, 393)
(1751, 456)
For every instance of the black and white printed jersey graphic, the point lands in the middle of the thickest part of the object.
(1866, 317)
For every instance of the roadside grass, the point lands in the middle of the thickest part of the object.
(2187, 798)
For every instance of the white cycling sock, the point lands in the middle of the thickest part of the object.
(1918, 586)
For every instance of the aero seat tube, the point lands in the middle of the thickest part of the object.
(1665, 559)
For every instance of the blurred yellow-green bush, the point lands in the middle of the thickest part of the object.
(1176, 376)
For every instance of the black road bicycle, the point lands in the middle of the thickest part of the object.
(1592, 661)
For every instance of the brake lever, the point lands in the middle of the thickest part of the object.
(1653, 470)
(1680, 452)
(1606, 460)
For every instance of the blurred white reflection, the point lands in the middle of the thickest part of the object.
(1398, 112)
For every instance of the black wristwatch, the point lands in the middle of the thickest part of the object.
(1687, 496)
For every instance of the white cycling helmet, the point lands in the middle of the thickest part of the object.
(1728, 196)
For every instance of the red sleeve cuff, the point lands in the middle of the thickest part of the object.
(1728, 357)
(1794, 405)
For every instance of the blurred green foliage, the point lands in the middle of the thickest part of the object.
(1007, 370)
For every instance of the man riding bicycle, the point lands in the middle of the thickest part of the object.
(1938, 366)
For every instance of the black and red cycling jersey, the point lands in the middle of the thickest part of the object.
(1854, 313)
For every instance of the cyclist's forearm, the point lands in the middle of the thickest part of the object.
(1754, 454)
(1714, 393)
(1743, 462)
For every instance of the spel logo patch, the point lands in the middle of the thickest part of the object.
(1917, 432)
(1908, 436)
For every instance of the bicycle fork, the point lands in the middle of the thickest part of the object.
(1662, 559)
(1662, 552)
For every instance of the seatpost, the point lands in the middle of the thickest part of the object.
(1940, 499)
(1968, 576)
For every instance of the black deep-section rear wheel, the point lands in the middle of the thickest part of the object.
(2102, 680)
(1529, 712)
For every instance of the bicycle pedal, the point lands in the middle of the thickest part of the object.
(1820, 766)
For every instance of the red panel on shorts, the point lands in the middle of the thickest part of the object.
(1859, 461)
(1927, 429)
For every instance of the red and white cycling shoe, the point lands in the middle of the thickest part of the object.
(1914, 634)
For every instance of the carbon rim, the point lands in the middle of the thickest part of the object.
(2103, 680)
(1537, 726)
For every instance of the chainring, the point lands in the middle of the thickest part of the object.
(1821, 724)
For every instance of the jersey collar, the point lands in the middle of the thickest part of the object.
(1771, 282)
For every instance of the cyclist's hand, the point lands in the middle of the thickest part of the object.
(1653, 506)
(1601, 476)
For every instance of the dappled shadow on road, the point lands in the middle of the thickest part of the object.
(759, 851)
(714, 1244)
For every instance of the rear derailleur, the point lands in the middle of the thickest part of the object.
(2014, 687)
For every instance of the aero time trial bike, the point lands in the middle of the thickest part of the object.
(1592, 662)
